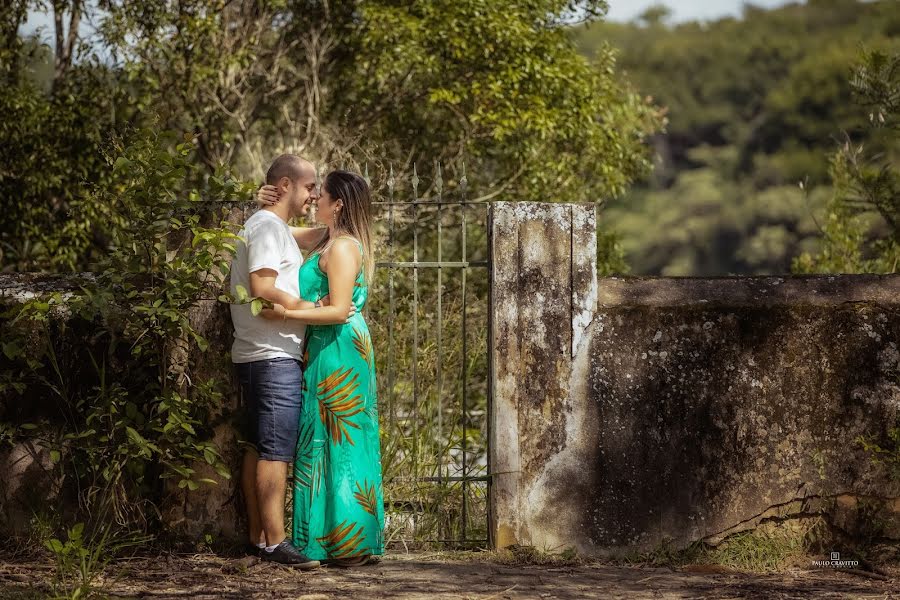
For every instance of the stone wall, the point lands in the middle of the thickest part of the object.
(31, 484)
(631, 412)
(626, 411)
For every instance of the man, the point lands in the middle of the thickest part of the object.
(267, 356)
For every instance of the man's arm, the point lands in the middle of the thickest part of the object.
(308, 237)
(264, 254)
(262, 285)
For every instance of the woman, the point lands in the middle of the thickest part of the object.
(338, 507)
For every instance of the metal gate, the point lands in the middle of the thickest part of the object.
(430, 315)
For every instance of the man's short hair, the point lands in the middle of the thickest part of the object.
(287, 165)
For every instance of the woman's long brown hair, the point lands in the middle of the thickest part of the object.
(356, 216)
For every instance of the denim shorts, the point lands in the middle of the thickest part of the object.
(271, 398)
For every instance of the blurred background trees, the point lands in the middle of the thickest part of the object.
(755, 106)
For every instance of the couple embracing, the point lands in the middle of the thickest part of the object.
(307, 371)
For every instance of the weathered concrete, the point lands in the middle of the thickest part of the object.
(544, 289)
(216, 510)
(30, 481)
(690, 408)
(726, 409)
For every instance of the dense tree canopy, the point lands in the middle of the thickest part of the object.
(498, 85)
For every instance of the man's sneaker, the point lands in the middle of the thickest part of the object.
(287, 554)
(252, 549)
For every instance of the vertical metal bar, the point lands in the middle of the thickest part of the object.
(392, 404)
(490, 366)
(439, 185)
(415, 319)
(464, 361)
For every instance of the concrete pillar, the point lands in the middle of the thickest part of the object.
(544, 293)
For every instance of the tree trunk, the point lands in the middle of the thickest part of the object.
(65, 41)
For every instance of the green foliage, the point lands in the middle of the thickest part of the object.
(257, 304)
(500, 84)
(211, 67)
(610, 252)
(72, 556)
(888, 454)
(79, 560)
(51, 142)
(861, 229)
(138, 416)
(497, 86)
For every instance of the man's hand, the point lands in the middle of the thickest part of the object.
(276, 313)
(351, 312)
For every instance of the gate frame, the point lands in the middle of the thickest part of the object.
(440, 202)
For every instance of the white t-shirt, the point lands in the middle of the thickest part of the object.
(269, 245)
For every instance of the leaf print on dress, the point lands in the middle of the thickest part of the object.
(338, 543)
(337, 403)
(309, 468)
(363, 343)
(301, 532)
(366, 495)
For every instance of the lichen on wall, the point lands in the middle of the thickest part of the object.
(678, 409)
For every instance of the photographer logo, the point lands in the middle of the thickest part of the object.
(836, 563)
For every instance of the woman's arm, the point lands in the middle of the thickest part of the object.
(280, 313)
(344, 261)
(306, 237)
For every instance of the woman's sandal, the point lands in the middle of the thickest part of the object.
(347, 563)
(355, 561)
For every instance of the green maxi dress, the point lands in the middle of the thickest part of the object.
(338, 506)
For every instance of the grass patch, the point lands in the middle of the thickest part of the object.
(530, 555)
(771, 547)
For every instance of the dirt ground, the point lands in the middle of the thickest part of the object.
(433, 577)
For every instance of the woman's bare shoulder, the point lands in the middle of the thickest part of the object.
(342, 249)
(346, 244)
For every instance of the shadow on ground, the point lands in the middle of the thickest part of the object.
(207, 576)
